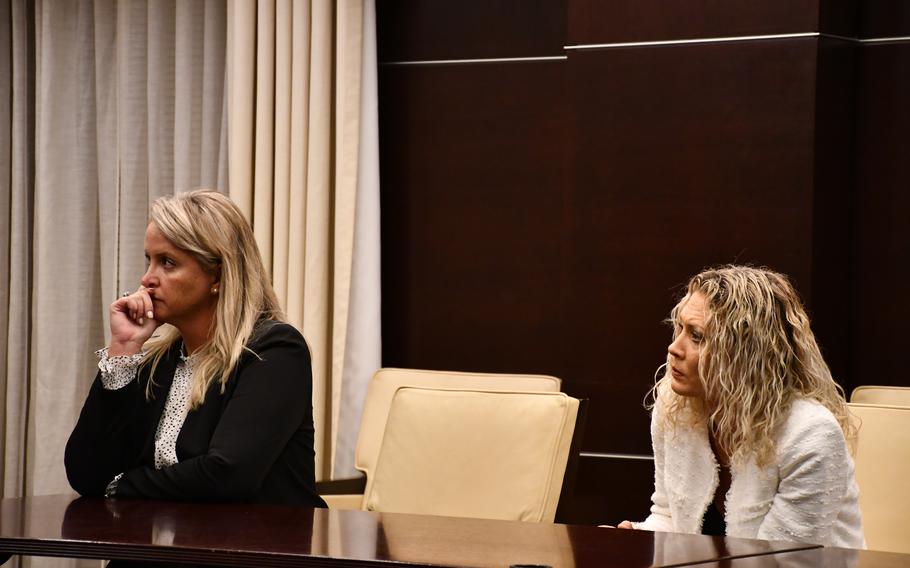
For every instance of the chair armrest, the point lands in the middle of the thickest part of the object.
(564, 510)
(342, 486)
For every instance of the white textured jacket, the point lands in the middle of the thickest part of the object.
(808, 494)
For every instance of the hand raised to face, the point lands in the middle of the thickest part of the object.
(132, 323)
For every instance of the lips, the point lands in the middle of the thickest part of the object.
(676, 373)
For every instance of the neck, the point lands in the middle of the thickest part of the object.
(196, 332)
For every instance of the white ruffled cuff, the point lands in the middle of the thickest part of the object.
(117, 371)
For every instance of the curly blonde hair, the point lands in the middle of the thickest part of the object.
(758, 355)
(212, 228)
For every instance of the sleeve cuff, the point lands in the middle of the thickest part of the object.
(118, 371)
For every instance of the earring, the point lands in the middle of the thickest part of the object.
(214, 289)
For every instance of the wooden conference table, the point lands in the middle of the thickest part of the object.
(249, 535)
(827, 557)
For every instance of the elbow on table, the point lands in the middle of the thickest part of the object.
(233, 481)
(85, 480)
(84, 484)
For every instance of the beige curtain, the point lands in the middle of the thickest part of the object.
(304, 168)
(16, 179)
(105, 106)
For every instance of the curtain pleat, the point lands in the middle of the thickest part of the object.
(301, 181)
(107, 165)
(363, 351)
(161, 79)
(18, 172)
(128, 148)
(300, 125)
(210, 98)
(223, 155)
(95, 131)
(241, 75)
(67, 261)
(318, 216)
(189, 78)
(6, 135)
(265, 129)
(284, 33)
(349, 55)
(199, 63)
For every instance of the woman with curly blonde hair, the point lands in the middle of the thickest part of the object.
(751, 434)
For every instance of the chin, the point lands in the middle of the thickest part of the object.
(682, 389)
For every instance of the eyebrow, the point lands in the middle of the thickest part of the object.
(159, 253)
(698, 328)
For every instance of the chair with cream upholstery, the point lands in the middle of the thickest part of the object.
(882, 471)
(473, 453)
(348, 493)
(874, 394)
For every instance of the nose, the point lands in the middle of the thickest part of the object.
(148, 280)
(675, 348)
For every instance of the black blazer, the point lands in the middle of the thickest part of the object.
(253, 442)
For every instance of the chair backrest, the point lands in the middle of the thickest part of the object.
(874, 394)
(386, 381)
(472, 453)
(882, 471)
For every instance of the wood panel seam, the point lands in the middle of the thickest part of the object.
(616, 456)
(483, 60)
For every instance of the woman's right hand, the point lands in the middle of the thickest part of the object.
(132, 323)
(625, 525)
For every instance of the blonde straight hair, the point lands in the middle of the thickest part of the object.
(209, 226)
(759, 354)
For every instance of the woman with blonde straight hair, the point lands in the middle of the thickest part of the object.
(204, 392)
(751, 434)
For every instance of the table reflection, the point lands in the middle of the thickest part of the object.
(243, 534)
(229, 526)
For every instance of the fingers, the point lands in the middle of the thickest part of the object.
(137, 306)
(147, 306)
(132, 322)
(625, 525)
(140, 305)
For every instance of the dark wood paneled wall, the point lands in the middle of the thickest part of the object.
(542, 215)
(884, 19)
(471, 275)
(881, 243)
(596, 21)
(421, 30)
